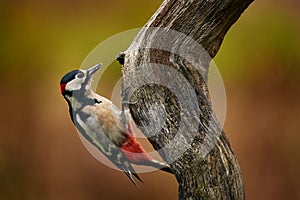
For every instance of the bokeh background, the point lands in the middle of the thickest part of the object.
(41, 155)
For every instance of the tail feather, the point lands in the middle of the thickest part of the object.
(159, 165)
(137, 176)
(167, 169)
(129, 172)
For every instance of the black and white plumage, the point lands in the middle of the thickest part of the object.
(103, 124)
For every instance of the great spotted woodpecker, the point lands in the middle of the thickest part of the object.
(103, 124)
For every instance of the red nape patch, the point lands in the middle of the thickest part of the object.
(133, 151)
(62, 87)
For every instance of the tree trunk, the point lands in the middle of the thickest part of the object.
(165, 87)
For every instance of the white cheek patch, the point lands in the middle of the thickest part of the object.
(75, 84)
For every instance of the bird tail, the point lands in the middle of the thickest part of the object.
(158, 165)
(129, 172)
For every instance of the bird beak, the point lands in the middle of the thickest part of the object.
(93, 69)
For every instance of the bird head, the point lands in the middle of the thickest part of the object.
(77, 80)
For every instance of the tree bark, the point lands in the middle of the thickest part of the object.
(165, 86)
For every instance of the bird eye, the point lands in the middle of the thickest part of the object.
(80, 75)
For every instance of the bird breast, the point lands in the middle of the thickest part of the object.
(108, 119)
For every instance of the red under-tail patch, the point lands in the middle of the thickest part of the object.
(133, 151)
(62, 87)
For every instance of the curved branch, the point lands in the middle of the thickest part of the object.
(164, 79)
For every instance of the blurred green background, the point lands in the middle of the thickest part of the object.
(41, 155)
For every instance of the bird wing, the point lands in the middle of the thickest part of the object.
(89, 127)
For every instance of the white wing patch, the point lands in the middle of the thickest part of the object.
(91, 133)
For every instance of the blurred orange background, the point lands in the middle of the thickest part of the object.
(41, 155)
